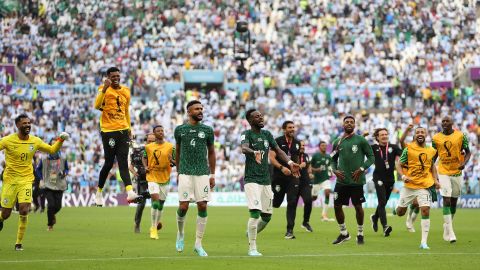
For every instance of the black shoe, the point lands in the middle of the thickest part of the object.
(387, 230)
(1, 225)
(360, 240)
(307, 227)
(374, 221)
(341, 238)
(137, 228)
(289, 235)
(18, 247)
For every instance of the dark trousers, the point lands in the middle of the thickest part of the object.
(115, 145)
(54, 200)
(383, 194)
(38, 196)
(142, 188)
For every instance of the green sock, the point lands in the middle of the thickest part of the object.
(425, 217)
(160, 206)
(327, 200)
(416, 210)
(202, 214)
(181, 213)
(453, 210)
(446, 210)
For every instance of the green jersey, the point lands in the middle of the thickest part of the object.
(263, 141)
(349, 155)
(322, 161)
(194, 141)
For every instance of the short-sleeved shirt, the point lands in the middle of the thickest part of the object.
(322, 161)
(263, 142)
(449, 149)
(419, 161)
(115, 109)
(194, 141)
(158, 161)
(19, 155)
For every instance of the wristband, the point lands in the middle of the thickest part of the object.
(403, 177)
(290, 162)
(212, 175)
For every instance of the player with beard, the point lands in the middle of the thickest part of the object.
(256, 144)
(349, 165)
(453, 154)
(113, 100)
(195, 160)
(18, 177)
(421, 175)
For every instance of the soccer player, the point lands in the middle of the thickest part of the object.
(321, 168)
(195, 161)
(421, 175)
(256, 144)
(349, 165)
(18, 175)
(283, 181)
(386, 155)
(113, 100)
(156, 160)
(138, 170)
(454, 154)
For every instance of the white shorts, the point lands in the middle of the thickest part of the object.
(160, 189)
(322, 186)
(407, 195)
(194, 188)
(450, 186)
(259, 197)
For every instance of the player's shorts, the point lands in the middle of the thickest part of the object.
(407, 195)
(322, 186)
(342, 195)
(259, 197)
(450, 186)
(160, 189)
(12, 193)
(194, 188)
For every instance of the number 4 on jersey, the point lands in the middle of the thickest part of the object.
(192, 142)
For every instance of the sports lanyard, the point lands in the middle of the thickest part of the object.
(289, 145)
(386, 152)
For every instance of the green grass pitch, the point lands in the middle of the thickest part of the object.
(103, 238)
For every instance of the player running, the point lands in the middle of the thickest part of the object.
(419, 179)
(321, 169)
(256, 144)
(157, 159)
(18, 175)
(195, 160)
(454, 154)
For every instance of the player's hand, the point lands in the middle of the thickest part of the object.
(410, 127)
(147, 170)
(212, 182)
(106, 84)
(286, 171)
(303, 165)
(311, 176)
(258, 157)
(356, 175)
(64, 136)
(437, 185)
(339, 174)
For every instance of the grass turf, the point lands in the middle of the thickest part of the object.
(103, 238)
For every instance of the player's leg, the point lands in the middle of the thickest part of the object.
(154, 190)
(162, 198)
(109, 154)
(24, 198)
(407, 196)
(9, 196)
(456, 192)
(253, 194)
(306, 194)
(357, 195)
(446, 192)
(424, 201)
(292, 201)
(202, 197)
(327, 189)
(185, 194)
(341, 197)
(121, 152)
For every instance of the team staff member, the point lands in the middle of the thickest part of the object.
(138, 170)
(113, 100)
(454, 154)
(18, 176)
(349, 165)
(386, 155)
(283, 181)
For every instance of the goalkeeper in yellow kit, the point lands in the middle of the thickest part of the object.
(18, 177)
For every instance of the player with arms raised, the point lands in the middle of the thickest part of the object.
(18, 176)
(195, 160)
(256, 144)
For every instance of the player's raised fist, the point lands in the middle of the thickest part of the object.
(64, 136)
(107, 83)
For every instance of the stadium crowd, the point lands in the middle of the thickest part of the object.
(370, 58)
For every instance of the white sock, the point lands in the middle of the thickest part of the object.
(180, 224)
(252, 227)
(360, 229)
(425, 229)
(343, 229)
(324, 210)
(261, 225)
(201, 224)
(448, 221)
(159, 215)
(153, 213)
(413, 216)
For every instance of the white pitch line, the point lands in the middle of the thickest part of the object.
(238, 257)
